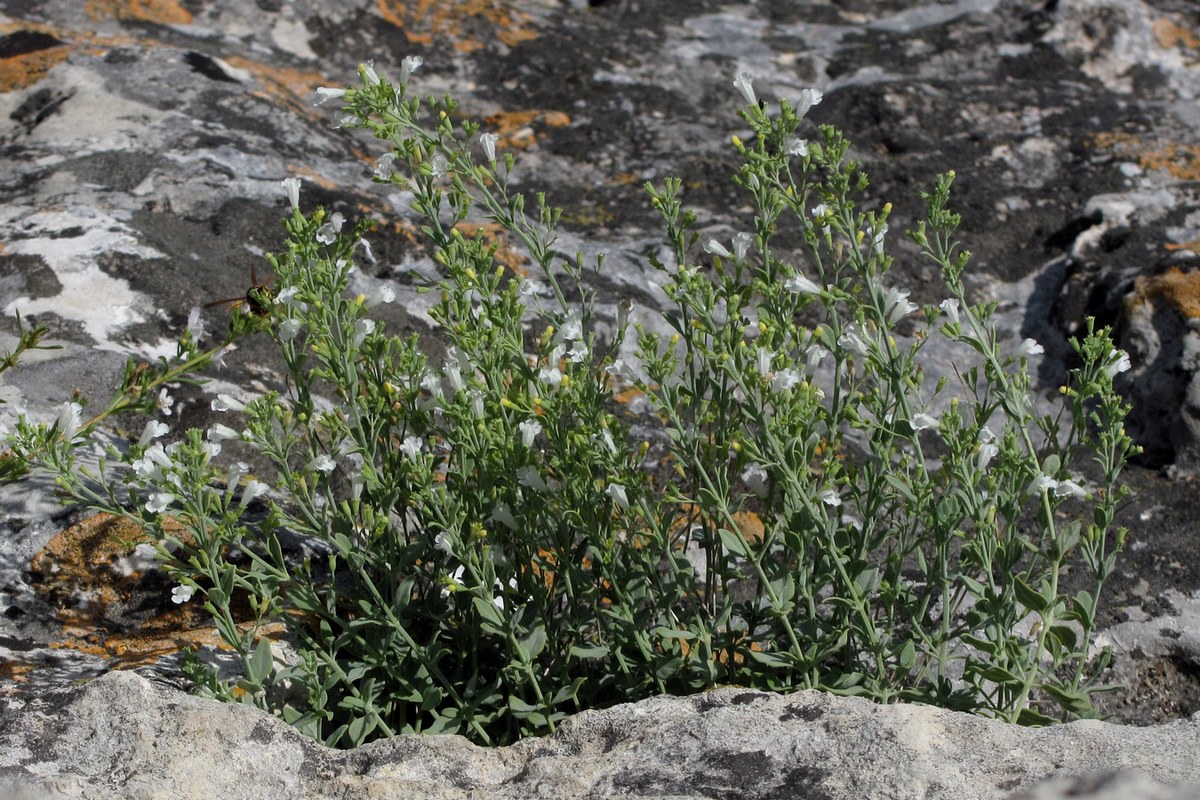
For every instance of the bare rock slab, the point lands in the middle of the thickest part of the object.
(121, 736)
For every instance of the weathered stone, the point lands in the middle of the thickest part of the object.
(142, 150)
(726, 743)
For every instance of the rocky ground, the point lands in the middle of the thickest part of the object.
(144, 142)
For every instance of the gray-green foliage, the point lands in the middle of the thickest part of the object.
(495, 556)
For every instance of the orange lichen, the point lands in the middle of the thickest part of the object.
(1170, 35)
(29, 68)
(516, 128)
(1181, 161)
(163, 12)
(1176, 287)
(424, 21)
(291, 87)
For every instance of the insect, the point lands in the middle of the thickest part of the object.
(258, 301)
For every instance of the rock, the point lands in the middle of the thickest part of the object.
(142, 152)
(122, 736)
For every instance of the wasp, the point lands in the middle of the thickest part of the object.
(258, 301)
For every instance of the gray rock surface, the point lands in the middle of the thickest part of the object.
(724, 744)
(141, 148)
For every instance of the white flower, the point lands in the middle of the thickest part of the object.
(550, 376)
(850, 340)
(210, 449)
(219, 433)
(70, 417)
(164, 402)
(292, 187)
(578, 352)
(367, 251)
(815, 355)
(326, 93)
(1070, 489)
(327, 233)
(830, 498)
(159, 502)
(383, 166)
(617, 493)
(763, 361)
(438, 165)
(362, 327)
(476, 397)
(621, 369)
(226, 402)
(384, 294)
(798, 284)
(488, 140)
(921, 421)
(607, 440)
(195, 324)
(408, 66)
(795, 146)
(1044, 483)
(340, 119)
(503, 514)
(182, 593)
(528, 476)
(531, 288)
(744, 83)
(987, 448)
(784, 379)
(877, 240)
(254, 489)
(322, 463)
(717, 249)
(287, 297)
(896, 305)
(808, 99)
(442, 542)
(152, 431)
(1122, 363)
(949, 307)
(530, 429)
(368, 73)
(1029, 347)
(234, 476)
(411, 447)
(153, 461)
(572, 328)
(755, 478)
(288, 329)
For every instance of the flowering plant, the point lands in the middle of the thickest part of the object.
(487, 550)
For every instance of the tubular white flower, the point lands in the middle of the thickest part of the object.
(225, 402)
(741, 245)
(503, 514)
(383, 166)
(408, 66)
(322, 463)
(327, 93)
(327, 233)
(254, 489)
(744, 83)
(1030, 347)
(70, 417)
(438, 165)
(808, 99)
(233, 477)
(921, 421)
(220, 433)
(530, 429)
(152, 431)
(830, 498)
(755, 478)
(763, 361)
(488, 140)
(795, 146)
(949, 307)
(528, 476)
(368, 73)
(798, 284)
(384, 294)
(195, 324)
(784, 380)
(896, 304)
(288, 329)
(292, 187)
(362, 328)
(159, 502)
(1122, 363)
(815, 355)
(617, 492)
(182, 593)
(717, 249)
(1070, 489)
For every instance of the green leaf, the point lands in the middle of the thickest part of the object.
(1034, 719)
(533, 644)
(1065, 635)
(982, 645)
(672, 633)
(1084, 606)
(259, 667)
(1029, 598)
(733, 543)
(995, 674)
(1076, 702)
(492, 621)
(588, 653)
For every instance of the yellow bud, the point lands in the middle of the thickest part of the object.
(319, 215)
(887, 208)
(644, 447)
(742, 343)
(762, 327)
(861, 235)
(735, 446)
(737, 142)
(892, 341)
(499, 271)
(471, 273)
(1062, 390)
(565, 382)
(674, 339)
(506, 403)
(358, 301)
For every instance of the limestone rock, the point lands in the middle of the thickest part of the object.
(121, 736)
